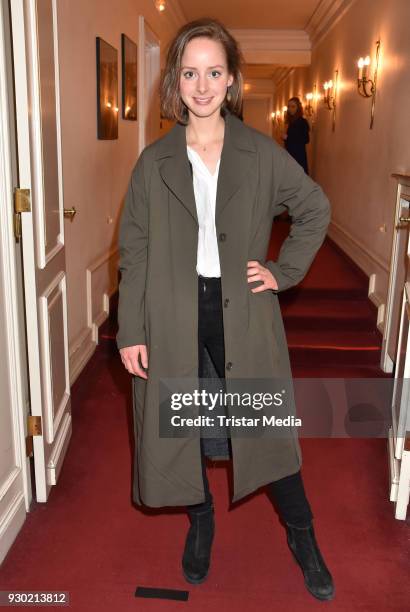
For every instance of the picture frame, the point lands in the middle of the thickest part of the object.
(107, 90)
(129, 74)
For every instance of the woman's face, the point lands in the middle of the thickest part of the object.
(292, 107)
(204, 76)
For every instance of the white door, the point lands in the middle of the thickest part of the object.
(15, 485)
(148, 83)
(35, 50)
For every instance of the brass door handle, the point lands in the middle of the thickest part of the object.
(403, 220)
(69, 213)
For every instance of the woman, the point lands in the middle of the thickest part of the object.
(297, 136)
(193, 240)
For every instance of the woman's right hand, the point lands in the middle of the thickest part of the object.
(129, 357)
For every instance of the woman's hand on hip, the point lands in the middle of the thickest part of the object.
(257, 272)
(129, 357)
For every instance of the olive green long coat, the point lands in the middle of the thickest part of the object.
(158, 299)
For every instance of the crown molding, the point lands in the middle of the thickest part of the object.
(272, 40)
(282, 47)
(325, 16)
(282, 74)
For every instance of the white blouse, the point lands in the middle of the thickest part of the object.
(205, 185)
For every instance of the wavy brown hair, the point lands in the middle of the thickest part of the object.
(299, 111)
(172, 106)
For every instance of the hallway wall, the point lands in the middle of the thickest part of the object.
(95, 172)
(354, 164)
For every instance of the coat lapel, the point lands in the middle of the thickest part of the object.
(238, 152)
(238, 155)
(174, 167)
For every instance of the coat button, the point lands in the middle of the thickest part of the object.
(229, 365)
(226, 302)
(222, 237)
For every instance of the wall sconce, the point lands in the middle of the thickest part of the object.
(160, 5)
(311, 107)
(367, 87)
(329, 97)
(330, 94)
(308, 107)
(276, 116)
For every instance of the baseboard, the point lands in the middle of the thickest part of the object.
(373, 271)
(81, 351)
(11, 522)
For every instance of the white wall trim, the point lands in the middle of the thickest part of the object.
(80, 352)
(282, 77)
(273, 40)
(95, 320)
(11, 521)
(280, 47)
(83, 346)
(60, 449)
(326, 15)
(364, 258)
(376, 269)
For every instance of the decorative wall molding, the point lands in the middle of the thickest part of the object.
(102, 282)
(282, 75)
(326, 15)
(264, 46)
(55, 462)
(376, 269)
(258, 86)
(366, 260)
(80, 351)
(272, 39)
(12, 517)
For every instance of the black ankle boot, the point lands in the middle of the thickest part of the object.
(302, 543)
(197, 552)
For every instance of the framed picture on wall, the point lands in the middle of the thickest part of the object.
(107, 90)
(129, 55)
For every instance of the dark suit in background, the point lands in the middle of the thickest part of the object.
(298, 138)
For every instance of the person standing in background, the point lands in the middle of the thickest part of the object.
(297, 136)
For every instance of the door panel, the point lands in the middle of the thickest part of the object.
(53, 317)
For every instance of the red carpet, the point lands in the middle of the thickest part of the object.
(91, 541)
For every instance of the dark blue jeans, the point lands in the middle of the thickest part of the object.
(288, 494)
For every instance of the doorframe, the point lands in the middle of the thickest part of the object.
(147, 40)
(17, 484)
(262, 96)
